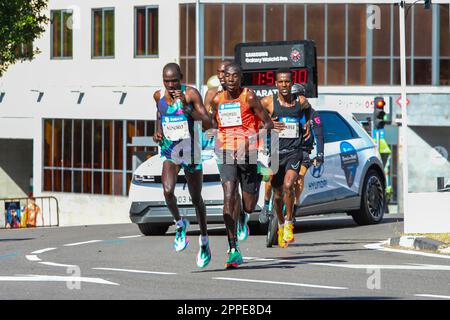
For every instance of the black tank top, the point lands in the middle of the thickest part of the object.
(291, 137)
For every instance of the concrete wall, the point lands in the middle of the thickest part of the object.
(16, 167)
(427, 213)
(80, 209)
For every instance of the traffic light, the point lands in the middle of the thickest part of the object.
(378, 113)
(427, 4)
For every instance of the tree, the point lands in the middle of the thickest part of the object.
(21, 22)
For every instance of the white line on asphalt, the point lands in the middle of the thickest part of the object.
(379, 246)
(32, 258)
(265, 259)
(57, 264)
(388, 267)
(80, 243)
(283, 283)
(43, 250)
(134, 271)
(39, 278)
(362, 266)
(129, 237)
(432, 296)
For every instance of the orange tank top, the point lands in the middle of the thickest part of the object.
(236, 122)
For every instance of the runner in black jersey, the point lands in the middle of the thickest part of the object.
(286, 112)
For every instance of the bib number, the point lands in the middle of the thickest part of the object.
(292, 129)
(230, 114)
(175, 128)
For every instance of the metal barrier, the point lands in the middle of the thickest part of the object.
(17, 212)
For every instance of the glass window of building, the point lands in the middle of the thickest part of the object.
(91, 156)
(187, 42)
(444, 63)
(146, 31)
(61, 34)
(103, 33)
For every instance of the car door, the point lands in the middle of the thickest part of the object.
(337, 177)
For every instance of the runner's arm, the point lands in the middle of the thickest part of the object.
(199, 111)
(157, 136)
(317, 129)
(258, 109)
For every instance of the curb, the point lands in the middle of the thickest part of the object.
(419, 243)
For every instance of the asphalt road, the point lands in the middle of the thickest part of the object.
(329, 260)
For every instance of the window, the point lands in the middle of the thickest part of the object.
(103, 33)
(61, 34)
(24, 50)
(335, 128)
(87, 156)
(146, 31)
(187, 42)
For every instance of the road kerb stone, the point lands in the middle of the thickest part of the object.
(419, 243)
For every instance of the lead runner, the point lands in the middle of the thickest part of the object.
(177, 109)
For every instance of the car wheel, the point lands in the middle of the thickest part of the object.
(151, 229)
(372, 200)
(271, 237)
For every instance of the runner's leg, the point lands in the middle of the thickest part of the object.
(169, 179)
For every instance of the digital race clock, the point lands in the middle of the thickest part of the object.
(259, 62)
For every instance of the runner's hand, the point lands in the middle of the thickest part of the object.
(318, 160)
(181, 96)
(307, 129)
(157, 137)
(278, 126)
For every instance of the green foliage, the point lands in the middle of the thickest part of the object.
(21, 22)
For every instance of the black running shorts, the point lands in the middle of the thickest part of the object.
(287, 161)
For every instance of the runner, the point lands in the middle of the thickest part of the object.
(288, 111)
(178, 107)
(237, 113)
(312, 119)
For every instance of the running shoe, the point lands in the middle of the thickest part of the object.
(264, 215)
(289, 232)
(181, 240)
(234, 259)
(243, 231)
(281, 242)
(204, 254)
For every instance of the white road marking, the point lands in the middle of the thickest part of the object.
(387, 267)
(57, 264)
(41, 278)
(432, 296)
(283, 283)
(379, 246)
(362, 266)
(80, 243)
(43, 250)
(134, 271)
(32, 258)
(129, 237)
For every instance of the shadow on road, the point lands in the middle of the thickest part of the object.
(19, 239)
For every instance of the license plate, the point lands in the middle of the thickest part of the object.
(184, 200)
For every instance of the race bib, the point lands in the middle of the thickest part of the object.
(292, 129)
(230, 114)
(175, 128)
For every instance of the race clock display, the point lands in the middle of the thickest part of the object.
(259, 62)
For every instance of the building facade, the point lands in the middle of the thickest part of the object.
(68, 118)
